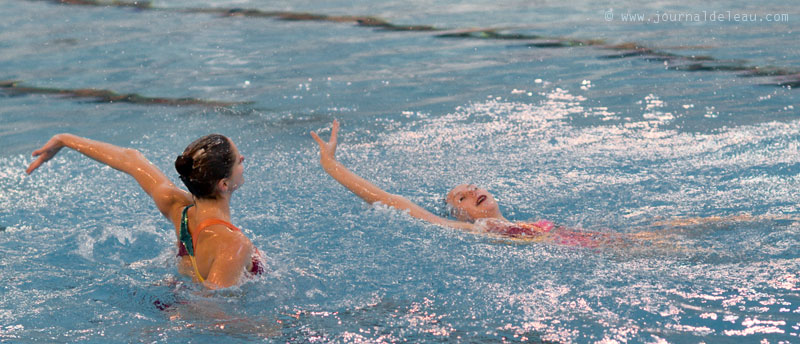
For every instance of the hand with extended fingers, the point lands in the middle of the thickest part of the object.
(47, 152)
(327, 149)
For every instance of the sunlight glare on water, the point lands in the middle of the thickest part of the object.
(586, 135)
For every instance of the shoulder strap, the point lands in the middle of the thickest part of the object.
(539, 226)
(186, 241)
(211, 222)
(186, 237)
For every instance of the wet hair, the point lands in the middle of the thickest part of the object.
(458, 213)
(453, 211)
(203, 163)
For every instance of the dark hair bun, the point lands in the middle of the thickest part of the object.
(204, 162)
(183, 164)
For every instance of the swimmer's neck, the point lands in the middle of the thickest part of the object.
(495, 218)
(213, 208)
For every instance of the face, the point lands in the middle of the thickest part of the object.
(237, 175)
(472, 203)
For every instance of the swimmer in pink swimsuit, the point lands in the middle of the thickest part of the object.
(474, 208)
(546, 231)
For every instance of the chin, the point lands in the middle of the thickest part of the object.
(482, 216)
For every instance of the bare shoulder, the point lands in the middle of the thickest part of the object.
(171, 200)
(225, 239)
(227, 253)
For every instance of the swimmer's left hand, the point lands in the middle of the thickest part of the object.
(328, 149)
(47, 152)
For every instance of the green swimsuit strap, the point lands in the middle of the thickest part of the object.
(186, 240)
(186, 237)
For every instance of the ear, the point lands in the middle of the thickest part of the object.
(223, 185)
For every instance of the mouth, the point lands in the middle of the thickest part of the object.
(481, 198)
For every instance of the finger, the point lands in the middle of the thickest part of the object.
(38, 152)
(334, 131)
(34, 165)
(316, 138)
(47, 146)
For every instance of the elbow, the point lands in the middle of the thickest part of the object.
(131, 155)
(129, 160)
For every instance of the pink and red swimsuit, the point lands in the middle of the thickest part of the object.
(546, 231)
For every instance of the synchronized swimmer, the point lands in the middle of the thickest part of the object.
(217, 254)
(212, 250)
(474, 208)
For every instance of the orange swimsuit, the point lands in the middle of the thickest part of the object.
(186, 244)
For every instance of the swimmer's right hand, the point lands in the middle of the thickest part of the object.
(47, 152)
(327, 149)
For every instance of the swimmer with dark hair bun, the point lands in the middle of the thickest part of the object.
(212, 250)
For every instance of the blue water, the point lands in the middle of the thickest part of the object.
(565, 134)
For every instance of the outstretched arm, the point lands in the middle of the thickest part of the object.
(368, 191)
(165, 194)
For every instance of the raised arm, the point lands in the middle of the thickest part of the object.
(165, 194)
(368, 191)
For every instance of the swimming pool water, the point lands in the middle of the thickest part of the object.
(567, 134)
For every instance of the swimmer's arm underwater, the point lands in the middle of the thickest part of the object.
(368, 191)
(166, 195)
